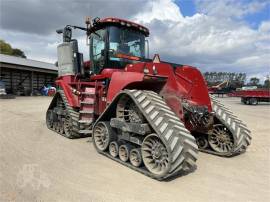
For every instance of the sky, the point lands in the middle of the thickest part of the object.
(212, 35)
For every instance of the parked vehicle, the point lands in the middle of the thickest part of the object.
(3, 93)
(254, 97)
(145, 114)
(2, 88)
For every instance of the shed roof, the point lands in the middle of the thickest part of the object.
(26, 62)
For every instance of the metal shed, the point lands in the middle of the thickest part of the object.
(24, 76)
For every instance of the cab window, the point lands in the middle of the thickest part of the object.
(97, 53)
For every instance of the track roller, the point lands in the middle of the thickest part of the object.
(64, 119)
(49, 119)
(113, 149)
(135, 157)
(163, 151)
(124, 150)
(61, 128)
(202, 141)
(68, 127)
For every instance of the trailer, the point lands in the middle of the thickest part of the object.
(253, 97)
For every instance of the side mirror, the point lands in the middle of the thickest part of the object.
(67, 33)
(59, 31)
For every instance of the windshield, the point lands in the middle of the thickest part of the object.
(125, 42)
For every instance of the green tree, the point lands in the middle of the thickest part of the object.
(254, 81)
(17, 52)
(235, 80)
(267, 82)
(6, 48)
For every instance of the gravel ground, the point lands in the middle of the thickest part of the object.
(38, 165)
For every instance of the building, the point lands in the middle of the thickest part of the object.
(25, 77)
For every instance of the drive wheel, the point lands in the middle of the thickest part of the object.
(124, 152)
(102, 135)
(221, 140)
(155, 155)
(113, 149)
(135, 157)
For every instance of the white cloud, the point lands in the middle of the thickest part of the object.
(216, 38)
(159, 10)
(230, 8)
(265, 27)
(208, 41)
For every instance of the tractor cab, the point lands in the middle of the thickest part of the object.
(114, 43)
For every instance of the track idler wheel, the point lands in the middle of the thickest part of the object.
(220, 139)
(102, 135)
(155, 155)
(113, 149)
(135, 157)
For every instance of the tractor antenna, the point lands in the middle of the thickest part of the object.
(88, 28)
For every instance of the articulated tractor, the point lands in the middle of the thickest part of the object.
(147, 114)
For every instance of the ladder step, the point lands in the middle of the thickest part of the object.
(87, 102)
(88, 93)
(89, 121)
(87, 112)
(85, 131)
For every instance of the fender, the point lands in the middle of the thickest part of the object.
(72, 99)
(133, 80)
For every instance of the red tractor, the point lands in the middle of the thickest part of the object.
(149, 115)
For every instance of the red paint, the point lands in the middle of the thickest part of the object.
(175, 84)
(72, 99)
(259, 93)
(87, 64)
(119, 20)
(120, 80)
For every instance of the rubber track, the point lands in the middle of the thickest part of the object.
(74, 117)
(170, 130)
(239, 130)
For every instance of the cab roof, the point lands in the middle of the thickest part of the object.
(120, 22)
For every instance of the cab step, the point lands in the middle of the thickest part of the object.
(87, 112)
(85, 131)
(88, 93)
(88, 102)
(88, 121)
